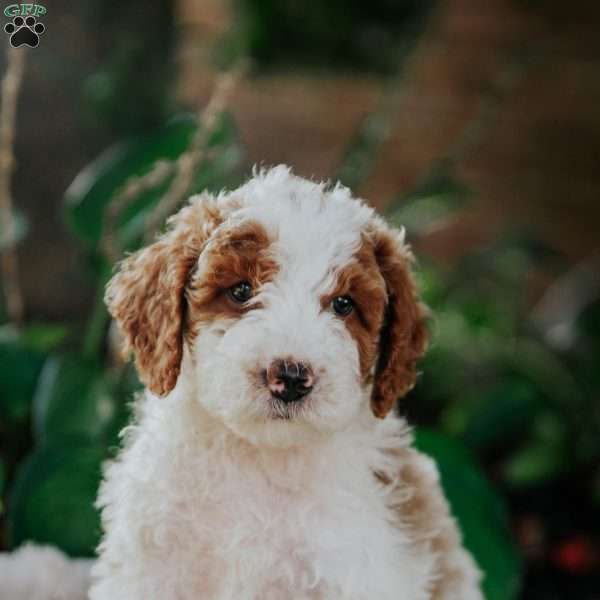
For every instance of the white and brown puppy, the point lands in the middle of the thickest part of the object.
(274, 327)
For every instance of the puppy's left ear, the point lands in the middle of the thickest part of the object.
(403, 337)
(146, 296)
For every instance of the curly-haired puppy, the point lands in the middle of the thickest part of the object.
(274, 327)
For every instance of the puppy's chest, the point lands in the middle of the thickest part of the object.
(256, 539)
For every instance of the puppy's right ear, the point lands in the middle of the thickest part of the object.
(403, 338)
(146, 296)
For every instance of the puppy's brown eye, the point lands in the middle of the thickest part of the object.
(240, 292)
(342, 305)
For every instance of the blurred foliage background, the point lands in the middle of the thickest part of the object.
(477, 127)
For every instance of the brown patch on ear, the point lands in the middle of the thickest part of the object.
(403, 337)
(146, 295)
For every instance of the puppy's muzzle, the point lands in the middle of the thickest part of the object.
(289, 381)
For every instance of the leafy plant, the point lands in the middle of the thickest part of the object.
(89, 195)
(507, 402)
(67, 389)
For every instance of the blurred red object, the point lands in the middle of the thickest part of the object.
(577, 555)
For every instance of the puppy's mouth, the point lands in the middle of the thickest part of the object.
(282, 411)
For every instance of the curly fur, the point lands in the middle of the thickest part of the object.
(43, 573)
(404, 337)
(222, 491)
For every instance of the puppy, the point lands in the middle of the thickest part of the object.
(274, 328)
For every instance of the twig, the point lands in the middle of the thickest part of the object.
(188, 162)
(183, 169)
(124, 197)
(11, 83)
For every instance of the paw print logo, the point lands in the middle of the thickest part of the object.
(24, 31)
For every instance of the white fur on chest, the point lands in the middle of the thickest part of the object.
(194, 512)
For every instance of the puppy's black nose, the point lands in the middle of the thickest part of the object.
(288, 380)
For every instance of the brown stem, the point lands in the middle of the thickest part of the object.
(125, 196)
(183, 169)
(188, 162)
(11, 83)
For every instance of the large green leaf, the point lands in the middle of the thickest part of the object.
(91, 191)
(480, 513)
(53, 498)
(73, 398)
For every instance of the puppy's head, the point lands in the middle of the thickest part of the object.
(296, 303)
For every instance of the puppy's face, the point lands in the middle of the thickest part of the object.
(295, 301)
(285, 310)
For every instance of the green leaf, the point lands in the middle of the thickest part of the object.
(19, 369)
(44, 337)
(544, 457)
(480, 513)
(91, 191)
(73, 398)
(534, 464)
(53, 498)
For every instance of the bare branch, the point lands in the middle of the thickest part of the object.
(11, 84)
(189, 161)
(124, 197)
(183, 169)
